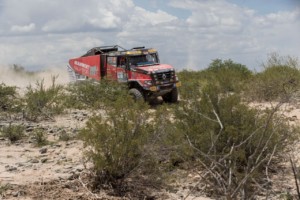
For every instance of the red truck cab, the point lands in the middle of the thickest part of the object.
(139, 67)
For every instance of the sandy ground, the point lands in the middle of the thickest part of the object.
(57, 171)
(23, 162)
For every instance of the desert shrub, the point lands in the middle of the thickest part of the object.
(42, 102)
(4, 188)
(186, 76)
(192, 81)
(116, 141)
(279, 81)
(83, 95)
(8, 99)
(132, 148)
(65, 136)
(230, 76)
(166, 143)
(233, 143)
(90, 94)
(276, 83)
(13, 132)
(40, 137)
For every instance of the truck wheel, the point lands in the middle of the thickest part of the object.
(136, 94)
(171, 97)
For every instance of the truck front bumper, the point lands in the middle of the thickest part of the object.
(159, 90)
(164, 87)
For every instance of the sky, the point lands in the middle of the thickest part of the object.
(189, 34)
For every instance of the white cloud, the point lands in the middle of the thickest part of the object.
(65, 16)
(58, 26)
(219, 29)
(108, 20)
(23, 29)
(58, 30)
(43, 51)
(144, 17)
(279, 18)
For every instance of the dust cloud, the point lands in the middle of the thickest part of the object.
(22, 78)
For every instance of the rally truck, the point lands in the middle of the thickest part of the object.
(138, 67)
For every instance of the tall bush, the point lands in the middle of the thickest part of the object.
(43, 102)
(12, 132)
(279, 81)
(116, 140)
(233, 143)
(230, 76)
(192, 81)
(114, 155)
(9, 102)
(94, 95)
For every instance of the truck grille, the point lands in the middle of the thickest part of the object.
(164, 77)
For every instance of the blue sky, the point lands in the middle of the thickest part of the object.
(268, 6)
(261, 6)
(189, 34)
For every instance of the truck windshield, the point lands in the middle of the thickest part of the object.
(143, 60)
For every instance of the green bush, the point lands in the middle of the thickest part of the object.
(64, 136)
(275, 83)
(4, 188)
(230, 76)
(42, 102)
(232, 141)
(166, 144)
(40, 137)
(279, 81)
(13, 132)
(192, 81)
(9, 101)
(132, 146)
(94, 95)
(116, 141)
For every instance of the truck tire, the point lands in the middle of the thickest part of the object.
(136, 94)
(171, 97)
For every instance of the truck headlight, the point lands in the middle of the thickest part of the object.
(153, 88)
(149, 82)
